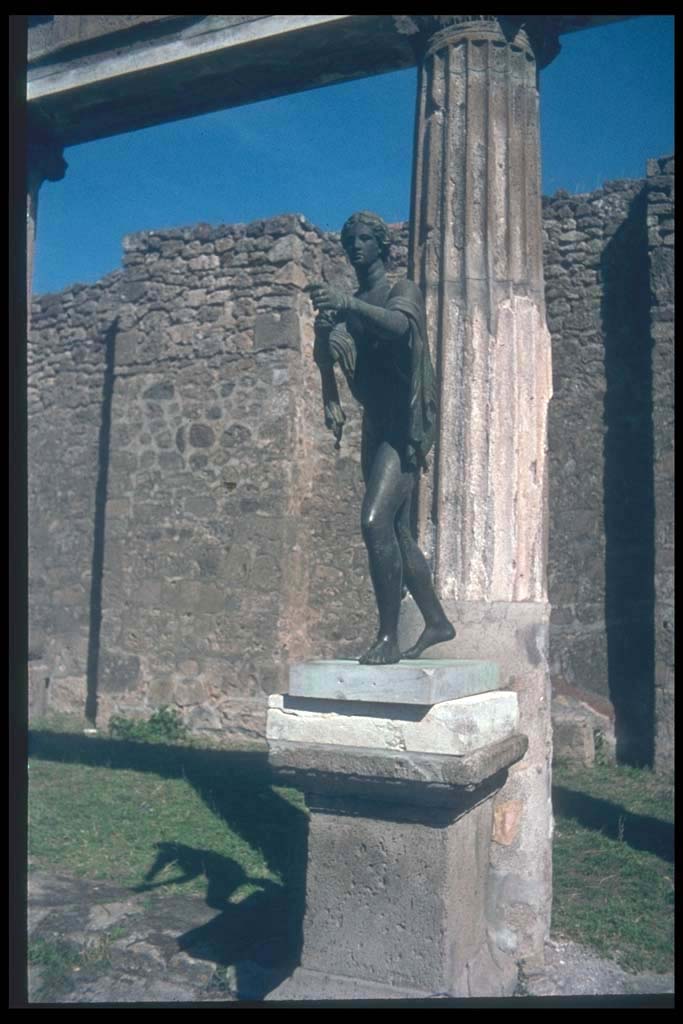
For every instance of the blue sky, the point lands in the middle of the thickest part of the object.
(606, 107)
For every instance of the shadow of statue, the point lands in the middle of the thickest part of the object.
(264, 927)
(251, 933)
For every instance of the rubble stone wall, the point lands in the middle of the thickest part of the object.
(193, 529)
(601, 521)
(660, 223)
(609, 274)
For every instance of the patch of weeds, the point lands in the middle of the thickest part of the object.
(97, 954)
(522, 986)
(293, 796)
(243, 892)
(637, 790)
(165, 725)
(166, 817)
(223, 981)
(604, 755)
(56, 961)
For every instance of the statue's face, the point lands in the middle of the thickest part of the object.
(361, 246)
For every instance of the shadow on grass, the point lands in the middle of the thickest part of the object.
(236, 786)
(640, 831)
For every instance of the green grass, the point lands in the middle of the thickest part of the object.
(159, 816)
(117, 820)
(165, 818)
(613, 871)
(56, 960)
(172, 818)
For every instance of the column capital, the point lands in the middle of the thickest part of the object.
(45, 154)
(537, 33)
(44, 162)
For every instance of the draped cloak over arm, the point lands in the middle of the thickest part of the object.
(335, 344)
(406, 298)
(325, 354)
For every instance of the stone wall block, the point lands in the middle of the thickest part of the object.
(276, 332)
(118, 673)
(286, 249)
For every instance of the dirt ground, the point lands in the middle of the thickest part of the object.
(97, 943)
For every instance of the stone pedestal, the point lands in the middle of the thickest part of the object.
(401, 799)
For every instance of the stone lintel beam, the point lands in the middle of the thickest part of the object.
(50, 34)
(193, 65)
(97, 75)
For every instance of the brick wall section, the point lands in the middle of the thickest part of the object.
(660, 222)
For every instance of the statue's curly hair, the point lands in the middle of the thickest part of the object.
(376, 225)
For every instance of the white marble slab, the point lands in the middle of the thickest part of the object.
(424, 681)
(448, 727)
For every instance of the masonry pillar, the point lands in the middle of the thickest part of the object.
(660, 229)
(476, 251)
(44, 163)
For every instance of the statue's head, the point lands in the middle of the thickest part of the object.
(373, 223)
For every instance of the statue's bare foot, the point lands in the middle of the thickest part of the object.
(384, 651)
(431, 635)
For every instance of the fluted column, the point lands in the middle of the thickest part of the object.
(476, 252)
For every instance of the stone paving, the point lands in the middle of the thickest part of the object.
(138, 948)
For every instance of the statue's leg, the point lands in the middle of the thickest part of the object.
(388, 487)
(418, 580)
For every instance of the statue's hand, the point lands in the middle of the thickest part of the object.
(335, 420)
(325, 321)
(328, 299)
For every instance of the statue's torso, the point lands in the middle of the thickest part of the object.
(382, 371)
